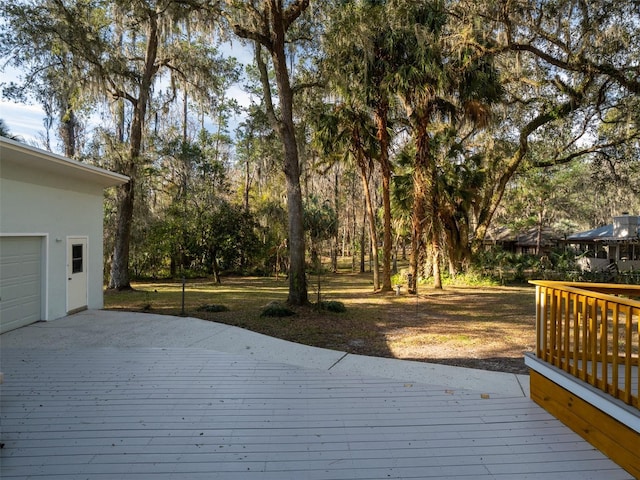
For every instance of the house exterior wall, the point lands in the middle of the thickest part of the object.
(54, 207)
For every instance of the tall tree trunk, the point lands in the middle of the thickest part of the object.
(336, 237)
(185, 116)
(417, 230)
(385, 165)
(354, 232)
(363, 237)
(434, 220)
(215, 266)
(69, 131)
(120, 279)
(373, 236)
(272, 23)
(247, 176)
(425, 208)
(539, 232)
(456, 229)
(297, 274)
(437, 274)
(372, 223)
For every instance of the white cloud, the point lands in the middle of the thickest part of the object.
(241, 50)
(242, 97)
(23, 120)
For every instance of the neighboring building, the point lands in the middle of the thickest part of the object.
(617, 243)
(540, 241)
(51, 237)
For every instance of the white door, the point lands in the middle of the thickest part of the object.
(76, 274)
(20, 281)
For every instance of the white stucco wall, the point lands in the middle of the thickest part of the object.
(56, 207)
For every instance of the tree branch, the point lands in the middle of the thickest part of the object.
(561, 160)
(260, 38)
(583, 65)
(293, 12)
(266, 87)
(303, 86)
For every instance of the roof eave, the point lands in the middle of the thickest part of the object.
(38, 158)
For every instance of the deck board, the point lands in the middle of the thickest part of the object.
(189, 414)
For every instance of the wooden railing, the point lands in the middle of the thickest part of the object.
(590, 330)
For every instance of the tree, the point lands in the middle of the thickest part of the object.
(321, 223)
(119, 51)
(570, 65)
(348, 132)
(50, 76)
(441, 84)
(615, 168)
(228, 237)
(267, 24)
(358, 58)
(541, 198)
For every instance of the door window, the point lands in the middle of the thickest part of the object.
(77, 258)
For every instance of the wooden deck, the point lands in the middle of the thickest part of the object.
(198, 414)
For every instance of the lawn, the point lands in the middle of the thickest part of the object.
(479, 327)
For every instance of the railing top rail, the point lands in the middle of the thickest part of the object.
(603, 291)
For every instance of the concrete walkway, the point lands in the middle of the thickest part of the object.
(112, 329)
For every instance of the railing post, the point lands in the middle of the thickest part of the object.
(553, 337)
(540, 308)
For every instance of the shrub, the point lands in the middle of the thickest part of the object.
(213, 308)
(472, 278)
(332, 306)
(276, 309)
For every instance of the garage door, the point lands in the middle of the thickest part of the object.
(20, 281)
